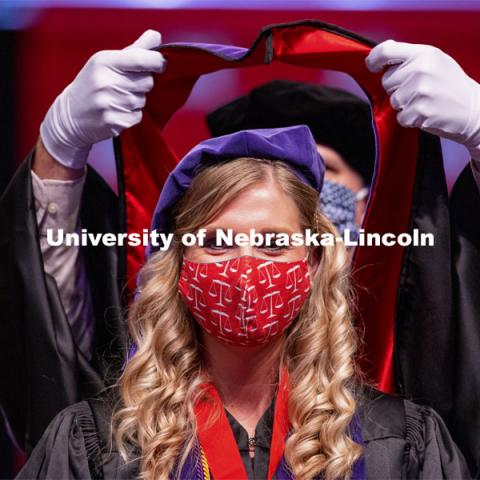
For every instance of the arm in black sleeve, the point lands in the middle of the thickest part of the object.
(42, 370)
(464, 421)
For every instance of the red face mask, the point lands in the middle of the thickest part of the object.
(245, 300)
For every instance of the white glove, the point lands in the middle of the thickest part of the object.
(430, 90)
(106, 97)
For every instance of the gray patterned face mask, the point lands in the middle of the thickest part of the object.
(339, 204)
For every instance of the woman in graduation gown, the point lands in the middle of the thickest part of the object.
(245, 354)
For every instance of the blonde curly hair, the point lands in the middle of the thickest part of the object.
(160, 383)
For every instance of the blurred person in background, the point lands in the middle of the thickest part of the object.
(341, 124)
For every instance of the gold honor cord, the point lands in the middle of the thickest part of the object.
(206, 469)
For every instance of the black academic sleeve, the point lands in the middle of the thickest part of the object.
(41, 369)
(465, 213)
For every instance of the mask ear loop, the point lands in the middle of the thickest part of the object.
(361, 194)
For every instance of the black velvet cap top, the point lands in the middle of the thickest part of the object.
(336, 118)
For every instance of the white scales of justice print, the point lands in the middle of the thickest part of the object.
(234, 300)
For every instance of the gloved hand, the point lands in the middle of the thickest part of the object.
(430, 90)
(106, 97)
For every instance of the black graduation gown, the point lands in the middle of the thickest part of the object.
(402, 440)
(465, 419)
(437, 327)
(41, 369)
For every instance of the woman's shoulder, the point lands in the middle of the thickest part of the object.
(62, 449)
(89, 419)
(384, 415)
(403, 436)
(76, 444)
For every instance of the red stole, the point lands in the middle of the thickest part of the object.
(217, 440)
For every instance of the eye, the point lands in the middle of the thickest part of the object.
(211, 244)
(275, 245)
(275, 248)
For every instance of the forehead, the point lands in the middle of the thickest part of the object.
(265, 206)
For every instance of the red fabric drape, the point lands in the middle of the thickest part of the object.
(147, 160)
